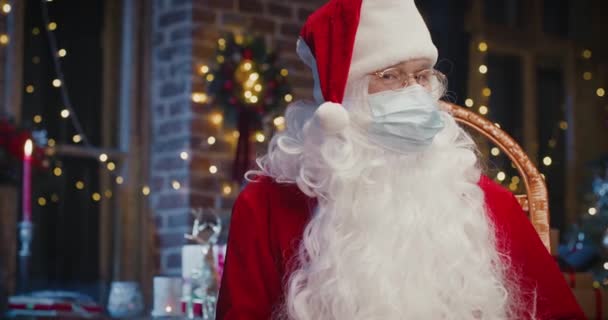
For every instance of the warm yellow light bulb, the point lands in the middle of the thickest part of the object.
(6, 8)
(4, 39)
(29, 89)
(483, 110)
(217, 118)
(52, 26)
(199, 97)
(204, 69)
(483, 69)
(120, 180)
(483, 46)
(62, 53)
(111, 166)
(486, 92)
(184, 155)
(284, 72)
(495, 151)
(563, 125)
(501, 176)
(176, 185)
(247, 66)
(51, 142)
(227, 189)
(103, 157)
(211, 140)
(288, 98)
(56, 83)
(587, 54)
(57, 172)
(79, 185)
(213, 169)
(600, 92)
(145, 190)
(37, 118)
(65, 113)
(260, 137)
(76, 138)
(547, 161)
(41, 201)
(96, 197)
(469, 102)
(279, 121)
(587, 75)
(210, 77)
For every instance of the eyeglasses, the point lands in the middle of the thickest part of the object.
(394, 79)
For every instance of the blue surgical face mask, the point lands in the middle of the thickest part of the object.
(406, 120)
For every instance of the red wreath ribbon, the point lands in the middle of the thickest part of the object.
(598, 303)
(242, 159)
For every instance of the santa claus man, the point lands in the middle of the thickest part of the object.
(372, 204)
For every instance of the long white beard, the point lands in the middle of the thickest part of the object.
(394, 236)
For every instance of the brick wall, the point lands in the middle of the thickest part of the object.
(185, 34)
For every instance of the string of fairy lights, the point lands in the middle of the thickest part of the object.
(215, 118)
(67, 112)
(484, 110)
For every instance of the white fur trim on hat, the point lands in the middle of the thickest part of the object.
(389, 32)
(332, 117)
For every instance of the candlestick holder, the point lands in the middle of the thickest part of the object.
(25, 229)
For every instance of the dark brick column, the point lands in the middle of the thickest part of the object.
(185, 34)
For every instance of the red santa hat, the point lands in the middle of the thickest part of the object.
(347, 39)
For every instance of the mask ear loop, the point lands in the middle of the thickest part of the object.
(439, 87)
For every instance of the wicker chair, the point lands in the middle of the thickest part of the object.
(536, 201)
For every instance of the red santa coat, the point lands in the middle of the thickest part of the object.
(268, 221)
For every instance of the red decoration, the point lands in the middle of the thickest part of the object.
(598, 303)
(12, 140)
(228, 85)
(247, 54)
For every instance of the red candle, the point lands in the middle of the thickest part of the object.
(27, 181)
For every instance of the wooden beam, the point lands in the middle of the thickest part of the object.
(86, 152)
(146, 245)
(8, 242)
(111, 76)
